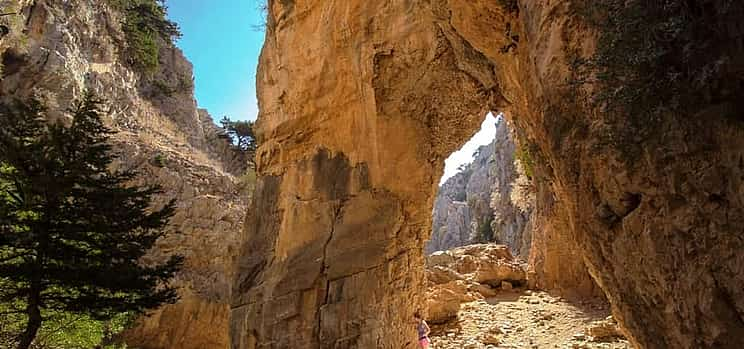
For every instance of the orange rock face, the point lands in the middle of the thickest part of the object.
(361, 101)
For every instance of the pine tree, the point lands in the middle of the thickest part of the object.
(240, 132)
(72, 232)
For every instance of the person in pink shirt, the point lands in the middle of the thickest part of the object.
(423, 330)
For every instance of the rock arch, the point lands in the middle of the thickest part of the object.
(361, 101)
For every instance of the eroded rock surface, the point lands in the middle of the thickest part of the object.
(393, 87)
(57, 50)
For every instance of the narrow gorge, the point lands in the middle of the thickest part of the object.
(361, 102)
(615, 182)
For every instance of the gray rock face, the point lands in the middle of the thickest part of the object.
(511, 195)
(478, 203)
(456, 228)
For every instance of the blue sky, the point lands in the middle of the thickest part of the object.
(221, 39)
(465, 155)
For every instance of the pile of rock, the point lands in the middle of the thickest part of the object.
(606, 330)
(466, 274)
(602, 333)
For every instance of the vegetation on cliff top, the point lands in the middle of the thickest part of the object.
(147, 29)
(240, 134)
(73, 232)
(663, 56)
(242, 139)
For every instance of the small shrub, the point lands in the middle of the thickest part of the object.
(485, 231)
(159, 160)
(185, 84)
(526, 160)
(161, 88)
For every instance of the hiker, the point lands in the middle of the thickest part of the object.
(423, 330)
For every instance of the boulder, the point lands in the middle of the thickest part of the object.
(466, 274)
(496, 272)
(491, 251)
(604, 330)
(443, 305)
(440, 275)
(484, 290)
(440, 258)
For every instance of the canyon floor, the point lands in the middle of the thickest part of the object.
(477, 298)
(528, 319)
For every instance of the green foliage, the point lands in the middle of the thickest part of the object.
(185, 84)
(240, 133)
(162, 88)
(65, 330)
(166, 89)
(526, 159)
(142, 50)
(485, 231)
(72, 233)
(146, 28)
(159, 160)
(661, 56)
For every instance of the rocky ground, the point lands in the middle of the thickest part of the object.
(472, 305)
(524, 319)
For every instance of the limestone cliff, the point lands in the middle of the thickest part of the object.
(361, 101)
(478, 203)
(57, 49)
(512, 198)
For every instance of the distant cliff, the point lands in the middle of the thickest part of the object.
(486, 201)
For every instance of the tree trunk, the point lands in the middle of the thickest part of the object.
(34, 319)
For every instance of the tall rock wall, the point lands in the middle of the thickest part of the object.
(359, 107)
(58, 49)
(362, 100)
(478, 204)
